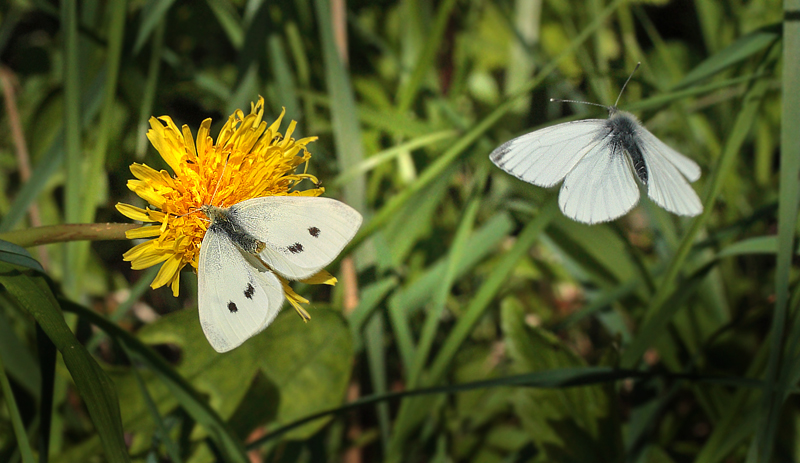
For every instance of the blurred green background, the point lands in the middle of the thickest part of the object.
(529, 337)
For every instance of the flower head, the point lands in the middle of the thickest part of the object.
(248, 160)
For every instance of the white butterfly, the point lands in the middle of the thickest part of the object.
(600, 161)
(293, 236)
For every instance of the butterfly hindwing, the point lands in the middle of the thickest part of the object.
(236, 298)
(302, 234)
(600, 187)
(668, 186)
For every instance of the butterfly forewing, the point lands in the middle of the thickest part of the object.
(302, 234)
(600, 187)
(236, 299)
(546, 156)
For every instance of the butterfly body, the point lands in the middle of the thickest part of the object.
(249, 244)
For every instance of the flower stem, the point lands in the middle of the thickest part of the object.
(48, 234)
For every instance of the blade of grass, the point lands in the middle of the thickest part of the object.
(149, 95)
(738, 134)
(376, 358)
(23, 444)
(47, 367)
(92, 184)
(153, 14)
(741, 49)
(773, 398)
(454, 256)
(547, 379)
(484, 241)
(284, 80)
(394, 152)
(369, 299)
(346, 130)
(72, 141)
(229, 20)
(426, 58)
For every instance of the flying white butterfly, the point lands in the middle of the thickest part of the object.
(600, 161)
(293, 236)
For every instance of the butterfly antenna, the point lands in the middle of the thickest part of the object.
(213, 195)
(556, 100)
(626, 83)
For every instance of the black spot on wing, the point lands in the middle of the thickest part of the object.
(296, 248)
(232, 307)
(249, 291)
(314, 231)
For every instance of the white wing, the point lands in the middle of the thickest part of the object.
(546, 156)
(666, 170)
(302, 234)
(236, 300)
(601, 187)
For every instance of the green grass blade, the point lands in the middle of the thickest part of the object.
(72, 139)
(285, 86)
(370, 297)
(153, 14)
(390, 154)
(374, 342)
(454, 256)
(23, 444)
(426, 59)
(482, 243)
(149, 95)
(32, 292)
(92, 184)
(346, 129)
(229, 20)
(47, 367)
(743, 48)
(773, 399)
(17, 255)
(547, 379)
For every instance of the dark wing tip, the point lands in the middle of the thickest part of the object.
(499, 153)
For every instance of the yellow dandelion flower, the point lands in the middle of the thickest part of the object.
(250, 159)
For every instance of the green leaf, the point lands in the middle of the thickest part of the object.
(19, 256)
(152, 14)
